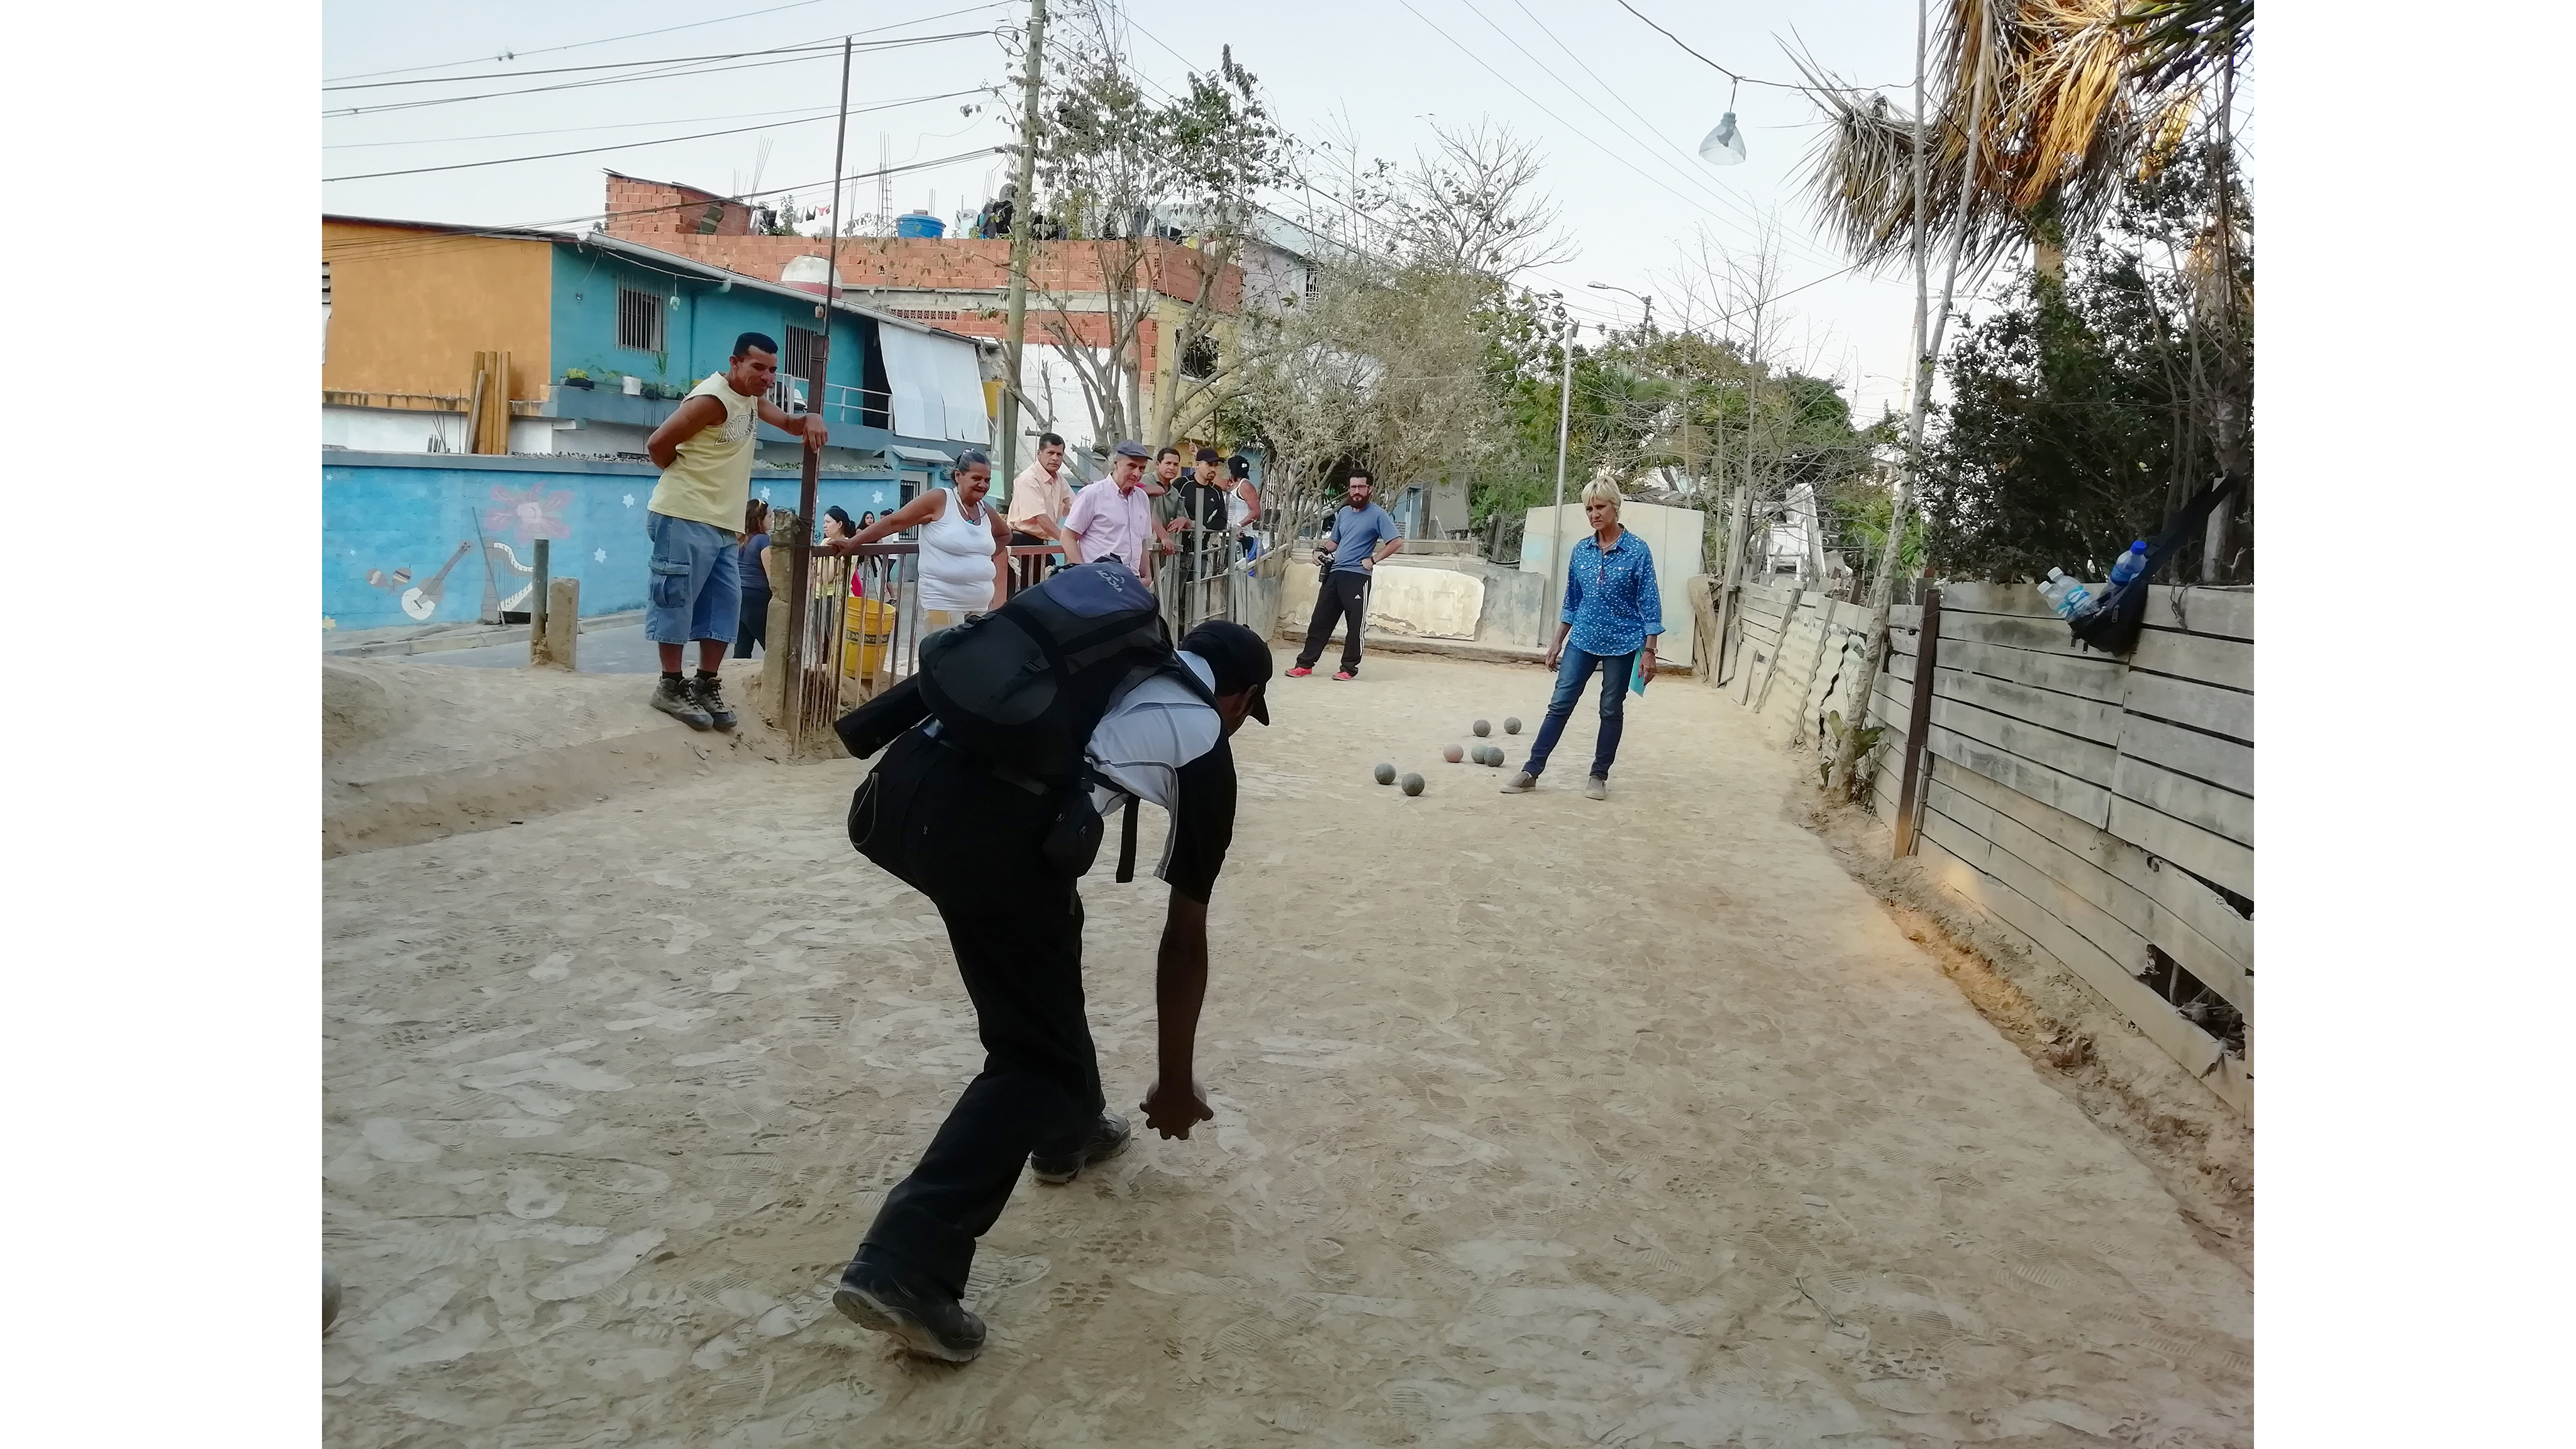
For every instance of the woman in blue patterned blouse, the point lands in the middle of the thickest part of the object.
(1613, 615)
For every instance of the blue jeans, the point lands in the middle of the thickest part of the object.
(1572, 669)
(696, 588)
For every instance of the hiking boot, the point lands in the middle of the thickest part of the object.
(1347, 674)
(1596, 788)
(675, 698)
(1300, 672)
(1521, 783)
(929, 1325)
(707, 690)
(1108, 1138)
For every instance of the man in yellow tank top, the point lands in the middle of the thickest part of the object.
(704, 449)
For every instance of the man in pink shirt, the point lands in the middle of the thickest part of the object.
(1113, 518)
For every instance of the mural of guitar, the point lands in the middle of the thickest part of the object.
(422, 602)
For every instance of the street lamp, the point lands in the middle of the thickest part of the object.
(1725, 145)
(1640, 296)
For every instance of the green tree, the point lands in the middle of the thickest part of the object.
(2072, 426)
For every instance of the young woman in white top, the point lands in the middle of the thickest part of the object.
(963, 544)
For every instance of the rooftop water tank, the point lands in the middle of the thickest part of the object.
(919, 224)
(807, 274)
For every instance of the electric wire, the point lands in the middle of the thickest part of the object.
(659, 141)
(783, 55)
(573, 130)
(1560, 120)
(665, 30)
(1691, 175)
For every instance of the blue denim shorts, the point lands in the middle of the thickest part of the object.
(696, 589)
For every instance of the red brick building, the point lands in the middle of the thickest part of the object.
(958, 284)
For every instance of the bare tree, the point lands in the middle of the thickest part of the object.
(1151, 199)
(1473, 205)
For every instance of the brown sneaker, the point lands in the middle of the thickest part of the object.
(1521, 783)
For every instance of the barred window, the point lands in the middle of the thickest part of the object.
(801, 346)
(639, 319)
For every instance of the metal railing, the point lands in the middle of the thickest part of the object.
(842, 403)
(1201, 580)
(862, 633)
(863, 620)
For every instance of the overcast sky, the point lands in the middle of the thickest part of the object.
(1617, 109)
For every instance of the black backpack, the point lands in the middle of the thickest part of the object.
(2116, 619)
(1022, 688)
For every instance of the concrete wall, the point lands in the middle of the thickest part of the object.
(1676, 536)
(411, 307)
(390, 522)
(1423, 595)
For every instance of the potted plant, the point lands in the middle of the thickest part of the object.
(575, 377)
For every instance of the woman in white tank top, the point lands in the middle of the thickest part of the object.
(962, 542)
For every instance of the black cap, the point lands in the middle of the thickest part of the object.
(1237, 657)
(1209, 455)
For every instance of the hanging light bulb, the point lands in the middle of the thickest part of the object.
(1725, 145)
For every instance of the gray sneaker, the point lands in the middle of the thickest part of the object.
(1596, 788)
(1521, 783)
(676, 699)
(708, 692)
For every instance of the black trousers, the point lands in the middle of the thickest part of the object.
(1343, 596)
(1022, 963)
(754, 626)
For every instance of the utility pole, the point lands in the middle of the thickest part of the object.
(1024, 201)
(1927, 342)
(1548, 606)
(800, 548)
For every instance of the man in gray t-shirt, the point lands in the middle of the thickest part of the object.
(1362, 535)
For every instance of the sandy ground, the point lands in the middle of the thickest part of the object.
(1540, 1121)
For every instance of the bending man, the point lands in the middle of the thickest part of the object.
(1038, 1100)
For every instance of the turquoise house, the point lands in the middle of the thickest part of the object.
(417, 530)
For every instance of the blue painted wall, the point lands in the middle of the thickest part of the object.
(699, 332)
(389, 512)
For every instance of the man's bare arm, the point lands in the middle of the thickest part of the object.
(1176, 1103)
(684, 423)
(808, 426)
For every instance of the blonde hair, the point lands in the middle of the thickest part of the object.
(1602, 490)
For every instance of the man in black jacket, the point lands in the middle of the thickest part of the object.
(1038, 1100)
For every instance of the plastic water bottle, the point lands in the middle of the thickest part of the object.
(2068, 597)
(2131, 564)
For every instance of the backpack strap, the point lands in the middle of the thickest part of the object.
(1127, 843)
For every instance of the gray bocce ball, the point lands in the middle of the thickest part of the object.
(1386, 774)
(1481, 728)
(1512, 726)
(1413, 784)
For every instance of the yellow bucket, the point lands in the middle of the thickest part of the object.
(868, 625)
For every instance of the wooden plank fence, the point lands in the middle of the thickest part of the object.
(2098, 810)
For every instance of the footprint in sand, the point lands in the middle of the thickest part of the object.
(554, 968)
(530, 1197)
(685, 933)
(592, 1274)
(386, 1138)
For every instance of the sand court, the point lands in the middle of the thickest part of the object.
(1540, 1120)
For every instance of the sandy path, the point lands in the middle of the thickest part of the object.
(1540, 1121)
